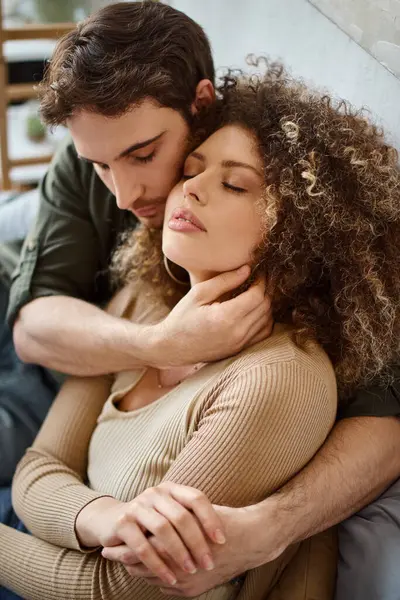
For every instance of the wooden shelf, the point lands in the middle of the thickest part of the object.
(16, 92)
(20, 91)
(31, 160)
(36, 32)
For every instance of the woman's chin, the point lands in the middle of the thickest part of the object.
(189, 264)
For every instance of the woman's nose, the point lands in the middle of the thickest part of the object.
(194, 189)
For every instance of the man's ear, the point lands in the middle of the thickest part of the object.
(205, 95)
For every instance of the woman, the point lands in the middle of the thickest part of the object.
(308, 195)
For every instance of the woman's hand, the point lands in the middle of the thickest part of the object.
(180, 518)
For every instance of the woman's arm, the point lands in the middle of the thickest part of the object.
(258, 432)
(37, 570)
(49, 485)
(254, 436)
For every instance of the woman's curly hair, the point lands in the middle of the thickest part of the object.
(331, 220)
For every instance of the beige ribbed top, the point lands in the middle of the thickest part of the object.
(237, 429)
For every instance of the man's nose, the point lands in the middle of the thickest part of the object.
(126, 192)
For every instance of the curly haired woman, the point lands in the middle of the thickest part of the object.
(308, 194)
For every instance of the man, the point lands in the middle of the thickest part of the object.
(127, 83)
(64, 262)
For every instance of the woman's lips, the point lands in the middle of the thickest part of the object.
(185, 221)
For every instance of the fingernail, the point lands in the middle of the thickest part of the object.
(171, 579)
(208, 563)
(219, 537)
(189, 567)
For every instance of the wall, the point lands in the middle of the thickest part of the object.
(374, 24)
(308, 42)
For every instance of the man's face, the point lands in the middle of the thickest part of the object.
(138, 156)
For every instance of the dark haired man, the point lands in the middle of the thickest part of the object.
(127, 82)
(120, 168)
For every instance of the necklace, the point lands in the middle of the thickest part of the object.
(175, 382)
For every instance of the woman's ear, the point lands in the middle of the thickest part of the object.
(205, 95)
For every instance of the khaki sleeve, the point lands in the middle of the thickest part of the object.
(259, 431)
(48, 489)
(49, 485)
(257, 434)
(61, 254)
(37, 570)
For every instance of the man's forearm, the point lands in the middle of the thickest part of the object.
(77, 338)
(357, 463)
(74, 337)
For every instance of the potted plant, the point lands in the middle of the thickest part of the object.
(61, 11)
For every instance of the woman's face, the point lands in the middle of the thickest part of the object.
(212, 220)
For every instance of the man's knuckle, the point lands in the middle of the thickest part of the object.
(143, 551)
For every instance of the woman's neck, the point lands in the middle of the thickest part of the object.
(199, 277)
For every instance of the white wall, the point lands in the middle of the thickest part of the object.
(308, 43)
(374, 24)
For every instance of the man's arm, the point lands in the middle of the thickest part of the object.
(358, 461)
(57, 284)
(77, 338)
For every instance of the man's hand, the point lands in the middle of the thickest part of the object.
(250, 543)
(203, 328)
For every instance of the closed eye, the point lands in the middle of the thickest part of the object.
(144, 159)
(233, 188)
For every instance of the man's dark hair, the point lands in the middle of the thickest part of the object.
(122, 54)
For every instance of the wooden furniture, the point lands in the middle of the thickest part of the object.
(24, 91)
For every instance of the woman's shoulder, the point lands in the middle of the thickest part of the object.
(277, 380)
(281, 354)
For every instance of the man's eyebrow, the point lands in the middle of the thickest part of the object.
(128, 151)
(140, 145)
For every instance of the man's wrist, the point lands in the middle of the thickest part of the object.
(158, 347)
(151, 341)
(270, 526)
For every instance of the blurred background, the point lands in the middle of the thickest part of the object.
(351, 48)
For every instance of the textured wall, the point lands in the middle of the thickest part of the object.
(374, 24)
(309, 43)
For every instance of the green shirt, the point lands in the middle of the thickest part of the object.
(69, 250)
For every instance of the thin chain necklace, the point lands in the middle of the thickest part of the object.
(194, 369)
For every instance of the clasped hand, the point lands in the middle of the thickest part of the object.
(165, 526)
